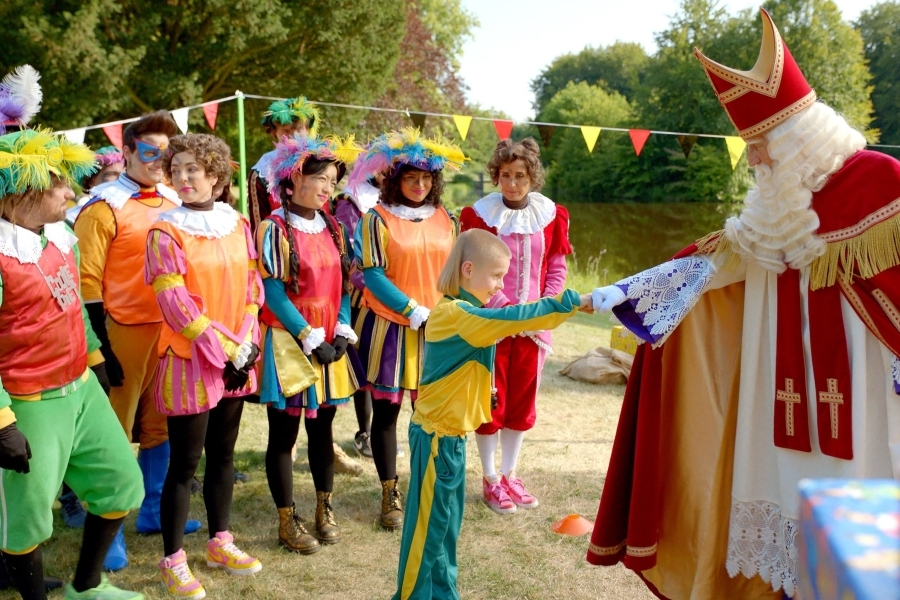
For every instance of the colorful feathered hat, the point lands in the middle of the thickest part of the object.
(29, 157)
(20, 97)
(389, 151)
(109, 155)
(293, 151)
(284, 112)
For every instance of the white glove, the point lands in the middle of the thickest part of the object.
(605, 298)
(315, 339)
(418, 317)
(344, 330)
(243, 354)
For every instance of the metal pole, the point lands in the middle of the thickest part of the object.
(242, 140)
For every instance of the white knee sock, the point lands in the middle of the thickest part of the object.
(511, 445)
(487, 450)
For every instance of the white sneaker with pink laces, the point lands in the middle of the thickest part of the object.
(515, 489)
(496, 498)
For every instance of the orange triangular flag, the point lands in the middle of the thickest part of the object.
(211, 111)
(638, 139)
(504, 129)
(114, 133)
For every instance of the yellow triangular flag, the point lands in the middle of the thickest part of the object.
(735, 149)
(462, 125)
(590, 134)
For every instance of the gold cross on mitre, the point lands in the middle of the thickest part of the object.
(834, 399)
(790, 398)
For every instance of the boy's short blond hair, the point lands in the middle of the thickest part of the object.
(475, 246)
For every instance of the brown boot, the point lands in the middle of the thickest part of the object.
(293, 535)
(327, 530)
(391, 505)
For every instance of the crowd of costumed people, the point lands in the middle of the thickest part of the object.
(149, 311)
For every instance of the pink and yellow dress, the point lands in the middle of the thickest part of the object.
(203, 268)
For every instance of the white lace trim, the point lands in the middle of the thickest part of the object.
(763, 542)
(117, 193)
(311, 226)
(25, 246)
(364, 196)
(895, 369)
(407, 213)
(533, 218)
(344, 330)
(219, 222)
(262, 165)
(667, 292)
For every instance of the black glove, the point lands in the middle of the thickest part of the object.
(340, 344)
(234, 379)
(14, 450)
(100, 372)
(252, 358)
(325, 353)
(97, 315)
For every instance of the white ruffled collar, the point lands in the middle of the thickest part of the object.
(219, 222)
(539, 213)
(117, 193)
(407, 213)
(364, 196)
(25, 246)
(312, 226)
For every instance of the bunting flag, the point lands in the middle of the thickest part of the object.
(418, 120)
(687, 143)
(504, 129)
(181, 118)
(735, 149)
(546, 132)
(462, 125)
(638, 139)
(590, 134)
(114, 133)
(76, 136)
(211, 111)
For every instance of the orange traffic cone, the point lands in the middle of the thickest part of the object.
(574, 525)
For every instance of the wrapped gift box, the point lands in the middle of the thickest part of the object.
(622, 339)
(849, 539)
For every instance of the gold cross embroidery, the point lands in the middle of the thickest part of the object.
(834, 399)
(790, 398)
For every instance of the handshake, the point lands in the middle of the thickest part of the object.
(602, 299)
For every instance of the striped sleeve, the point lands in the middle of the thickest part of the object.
(272, 247)
(374, 241)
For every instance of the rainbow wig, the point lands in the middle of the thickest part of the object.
(291, 152)
(109, 155)
(284, 112)
(20, 97)
(390, 151)
(29, 157)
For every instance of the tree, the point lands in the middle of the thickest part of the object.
(617, 67)
(879, 27)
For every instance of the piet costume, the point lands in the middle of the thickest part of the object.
(349, 207)
(751, 380)
(281, 112)
(49, 395)
(105, 156)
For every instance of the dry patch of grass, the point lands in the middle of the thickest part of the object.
(564, 462)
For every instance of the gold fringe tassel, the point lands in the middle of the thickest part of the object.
(865, 255)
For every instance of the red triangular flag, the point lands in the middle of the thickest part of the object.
(638, 139)
(504, 129)
(114, 133)
(211, 111)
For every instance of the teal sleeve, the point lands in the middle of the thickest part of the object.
(384, 289)
(278, 302)
(344, 314)
(93, 342)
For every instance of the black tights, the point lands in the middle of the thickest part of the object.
(283, 430)
(362, 402)
(215, 430)
(384, 438)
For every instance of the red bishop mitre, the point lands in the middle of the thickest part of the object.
(768, 94)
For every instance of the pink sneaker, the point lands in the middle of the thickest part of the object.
(221, 553)
(178, 579)
(496, 498)
(515, 487)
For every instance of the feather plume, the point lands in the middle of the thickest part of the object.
(291, 152)
(392, 150)
(22, 85)
(29, 157)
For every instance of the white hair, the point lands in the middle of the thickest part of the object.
(778, 225)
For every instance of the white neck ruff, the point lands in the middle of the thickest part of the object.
(117, 193)
(407, 213)
(25, 246)
(219, 222)
(311, 226)
(364, 196)
(533, 218)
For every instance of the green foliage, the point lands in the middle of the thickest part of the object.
(450, 24)
(879, 27)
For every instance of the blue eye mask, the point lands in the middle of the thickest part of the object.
(147, 153)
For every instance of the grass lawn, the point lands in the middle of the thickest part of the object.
(516, 557)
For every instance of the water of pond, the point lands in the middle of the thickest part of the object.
(637, 236)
